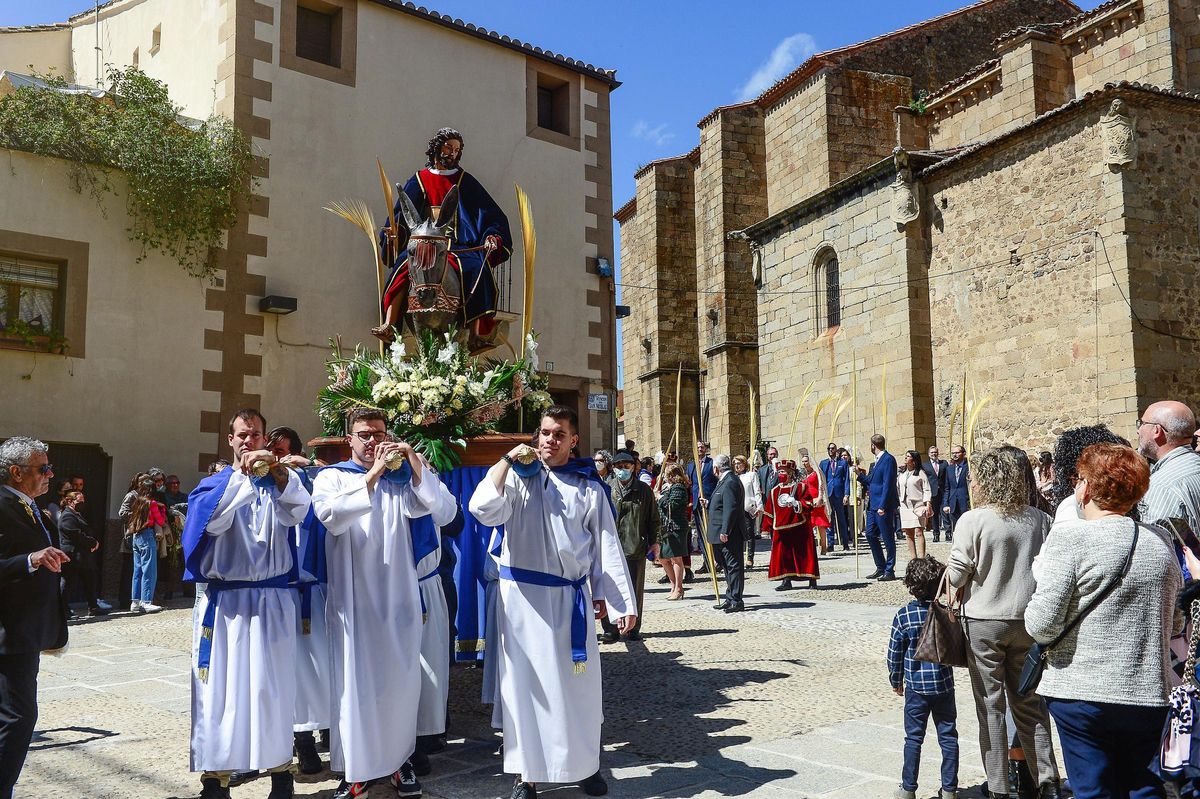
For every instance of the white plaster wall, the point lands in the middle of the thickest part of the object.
(42, 50)
(137, 391)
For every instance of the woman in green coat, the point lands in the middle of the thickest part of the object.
(673, 508)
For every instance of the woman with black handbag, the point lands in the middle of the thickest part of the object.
(1104, 611)
(991, 561)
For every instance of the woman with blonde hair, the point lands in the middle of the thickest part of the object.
(991, 562)
(672, 509)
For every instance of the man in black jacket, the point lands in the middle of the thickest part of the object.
(935, 475)
(727, 530)
(33, 611)
(79, 544)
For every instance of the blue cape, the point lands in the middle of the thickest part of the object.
(422, 530)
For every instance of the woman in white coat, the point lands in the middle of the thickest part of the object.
(915, 499)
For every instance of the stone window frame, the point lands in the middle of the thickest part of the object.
(72, 256)
(825, 255)
(347, 46)
(538, 73)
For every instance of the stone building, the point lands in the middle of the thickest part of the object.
(1025, 226)
(159, 360)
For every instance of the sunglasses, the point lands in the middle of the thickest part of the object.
(45, 468)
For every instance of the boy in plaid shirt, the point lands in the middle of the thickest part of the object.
(927, 688)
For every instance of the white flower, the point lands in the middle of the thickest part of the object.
(397, 353)
(448, 352)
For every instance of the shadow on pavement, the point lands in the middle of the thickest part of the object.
(49, 739)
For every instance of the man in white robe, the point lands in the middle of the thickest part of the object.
(373, 605)
(238, 540)
(560, 557)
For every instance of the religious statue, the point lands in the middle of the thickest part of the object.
(905, 207)
(441, 242)
(1118, 132)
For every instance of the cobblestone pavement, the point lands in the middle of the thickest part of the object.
(789, 699)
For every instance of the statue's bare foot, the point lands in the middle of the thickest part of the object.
(385, 333)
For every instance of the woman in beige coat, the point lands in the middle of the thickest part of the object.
(915, 498)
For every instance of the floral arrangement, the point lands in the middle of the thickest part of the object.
(434, 398)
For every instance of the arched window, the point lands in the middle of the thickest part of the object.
(827, 290)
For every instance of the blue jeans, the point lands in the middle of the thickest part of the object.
(145, 566)
(1108, 748)
(917, 710)
(882, 527)
(837, 525)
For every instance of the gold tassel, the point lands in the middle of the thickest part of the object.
(306, 626)
(580, 667)
(202, 674)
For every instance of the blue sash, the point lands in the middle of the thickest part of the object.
(425, 610)
(213, 592)
(579, 613)
(202, 504)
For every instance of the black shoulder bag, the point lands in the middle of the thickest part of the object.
(1035, 660)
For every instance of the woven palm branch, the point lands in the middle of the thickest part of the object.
(977, 408)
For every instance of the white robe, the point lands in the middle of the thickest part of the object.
(559, 524)
(491, 643)
(374, 617)
(435, 634)
(242, 714)
(313, 661)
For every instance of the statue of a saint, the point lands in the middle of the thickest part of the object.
(478, 230)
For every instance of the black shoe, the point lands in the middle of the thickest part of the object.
(238, 777)
(701, 570)
(688, 576)
(283, 786)
(430, 745)
(786, 585)
(594, 785)
(610, 638)
(633, 636)
(523, 790)
(738, 608)
(323, 741)
(420, 763)
(1050, 790)
(97, 611)
(352, 790)
(724, 604)
(812, 583)
(875, 575)
(1020, 781)
(211, 789)
(936, 539)
(887, 577)
(306, 753)
(405, 781)
(664, 580)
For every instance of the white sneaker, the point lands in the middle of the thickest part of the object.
(150, 607)
(136, 607)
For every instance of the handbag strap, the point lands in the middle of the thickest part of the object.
(1100, 597)
(1189, 666)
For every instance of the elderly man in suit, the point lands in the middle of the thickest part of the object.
(883, 502)
(935, 475)
(707, 481)
(33, 611)
(727, 530)
(956, 499)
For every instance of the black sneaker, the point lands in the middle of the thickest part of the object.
(523, 790)
(352, 790)
(283, 785)
(306, 753)
(594, 785)
(420, 763)
(238, 777)
(405, 781)
(211, 789)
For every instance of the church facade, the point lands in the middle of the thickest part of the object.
(159, 360)
(1022, 230)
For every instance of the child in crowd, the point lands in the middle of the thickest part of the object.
(927, 688)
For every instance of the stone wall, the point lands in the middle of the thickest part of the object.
(1133, 42)
(1162, 204)
(797, 137)
(861, 126)
(1019, 303)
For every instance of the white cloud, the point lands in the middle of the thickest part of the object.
(656, 135)
(786, 56)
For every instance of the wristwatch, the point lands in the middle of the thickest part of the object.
(507, 459)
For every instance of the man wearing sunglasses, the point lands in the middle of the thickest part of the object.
(33, 611)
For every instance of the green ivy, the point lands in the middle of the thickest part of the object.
(184, 186)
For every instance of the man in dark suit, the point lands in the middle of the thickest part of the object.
(768, 477)
(33, 611)
(935, 475)
(883, 504)
(707, 481)
(837, 487)
(956, 499)
(727, 530)
(78, 542)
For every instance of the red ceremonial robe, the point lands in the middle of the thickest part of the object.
(793, 549)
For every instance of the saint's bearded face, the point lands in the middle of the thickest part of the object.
(448, 154)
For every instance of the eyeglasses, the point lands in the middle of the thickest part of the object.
(1141, 422)
(45, 468)
(365, 436)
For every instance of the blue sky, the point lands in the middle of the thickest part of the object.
(677, 60)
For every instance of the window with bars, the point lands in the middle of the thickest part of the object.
(828, 293)
(30, 295)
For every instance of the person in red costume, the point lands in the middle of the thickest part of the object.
(479, 236)
(786, 515)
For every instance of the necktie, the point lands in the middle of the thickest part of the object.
(37, 515)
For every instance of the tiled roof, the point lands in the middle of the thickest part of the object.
(1110, 90)
(54, 26)
(1069, 22)
(626, 211)
(608, 76)
(962, 80)
(693, 155)
(716, 112)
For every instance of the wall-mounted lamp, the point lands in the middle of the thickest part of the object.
(603, 267)
(623, 311)
(276, 304)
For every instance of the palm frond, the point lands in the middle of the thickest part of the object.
(529, 242)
